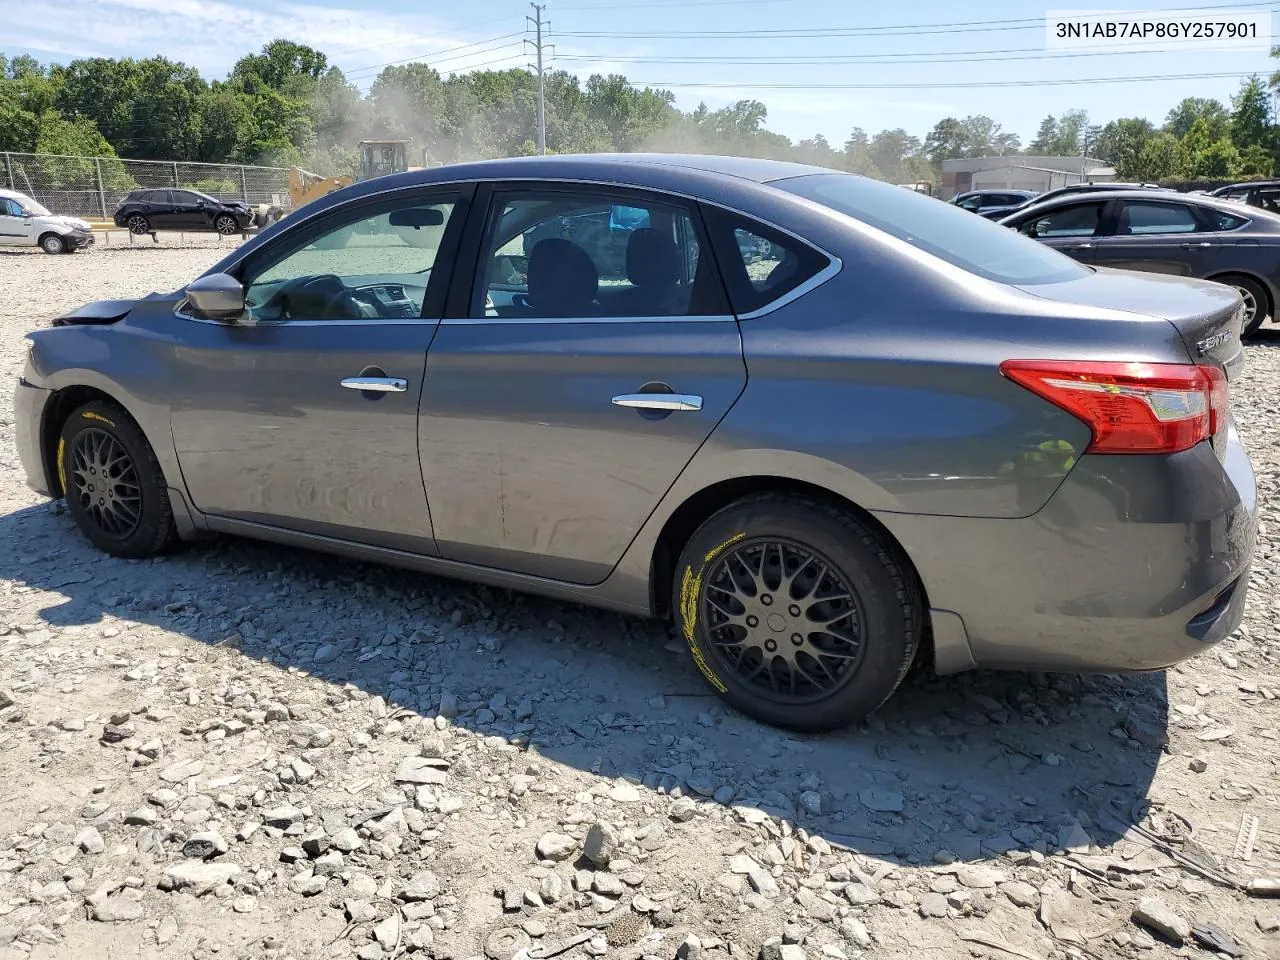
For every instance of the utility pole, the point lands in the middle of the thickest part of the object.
(538, 23)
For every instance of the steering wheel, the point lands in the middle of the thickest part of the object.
(322, 297)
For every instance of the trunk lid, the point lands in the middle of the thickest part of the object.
(1208, 316)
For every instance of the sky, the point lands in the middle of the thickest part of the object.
(809, 61)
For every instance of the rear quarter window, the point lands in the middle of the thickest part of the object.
(762, 266)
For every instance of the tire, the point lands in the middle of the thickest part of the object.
(1254, 295)
(226, 225)
(138, 224)
(52, 243)
(873, 637)
(135, 519)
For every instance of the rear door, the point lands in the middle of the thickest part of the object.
(573, 377)
(1072, 228)
(1158, 236)
(159, 207)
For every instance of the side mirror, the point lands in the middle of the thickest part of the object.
(217, 296)
(27, 214)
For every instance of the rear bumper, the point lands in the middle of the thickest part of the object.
(1136, 563)
(28, 408)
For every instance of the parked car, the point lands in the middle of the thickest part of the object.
(146, 211)
(1172, 233)
(977, 472)
(27, 223)
(993, 204)
(1264, 194)
(1076, 188)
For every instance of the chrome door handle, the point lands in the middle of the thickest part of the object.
(659, 401)
(376, 384)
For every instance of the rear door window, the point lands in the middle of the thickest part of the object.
(1141, 218)
(761, 264)
(570, 254)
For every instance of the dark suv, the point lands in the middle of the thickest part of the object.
(146, 211)
(1264, 194)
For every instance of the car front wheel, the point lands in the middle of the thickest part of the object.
(115, 490)
(52, 243)
(138, 224)
(226, 225)
(797, 612)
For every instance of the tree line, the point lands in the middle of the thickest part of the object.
(287, 105)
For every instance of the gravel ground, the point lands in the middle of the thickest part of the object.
(243, 750)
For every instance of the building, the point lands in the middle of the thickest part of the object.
(1019, 173)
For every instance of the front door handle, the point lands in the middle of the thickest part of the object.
(376, 384)
(1203, 243)
(659, 401)
(1078, 246)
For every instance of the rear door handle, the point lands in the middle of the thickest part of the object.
(1203, 243)
(659, 401)
(376, 384)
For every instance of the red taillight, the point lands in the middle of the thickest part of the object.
(1131, 407)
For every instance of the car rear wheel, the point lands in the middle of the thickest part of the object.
(1255, 301)
(52, 243)
(115, 490)
(797, 612)
(138, 224)
(226, 225)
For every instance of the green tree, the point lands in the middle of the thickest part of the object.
(1159, 159)
(1121, 142)
(1046, 138)
(897, 155)
(1202, 156)
(1251, 120)
(1184, 116)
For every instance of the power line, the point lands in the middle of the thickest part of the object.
(933, 86)
(880, 59)
(347, 51)
(436, 53)
(961, 26)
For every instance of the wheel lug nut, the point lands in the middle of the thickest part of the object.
(766, 599)
(794, 610)
(753, 622)
(797, 639)
(770, 645)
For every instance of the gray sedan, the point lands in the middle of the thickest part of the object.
(830, 427)
(1167, 232)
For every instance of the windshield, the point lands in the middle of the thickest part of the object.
(948, 232)
(35, 206)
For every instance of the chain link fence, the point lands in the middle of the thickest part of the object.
(93, 186)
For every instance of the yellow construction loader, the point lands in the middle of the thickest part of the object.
(378, 158)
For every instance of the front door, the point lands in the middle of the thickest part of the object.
(1072, 228)
(15, 229)
(574, 379)
(307, 419)
(1159, 237)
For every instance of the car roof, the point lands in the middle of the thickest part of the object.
(13, 194)
(1166, 196)
(1245, 184)
(642, 169)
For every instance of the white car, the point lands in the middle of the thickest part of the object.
(26, 223)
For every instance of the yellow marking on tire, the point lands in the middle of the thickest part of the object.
(712, 554)
(90, 415)
(62, 465)
(690, 587)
